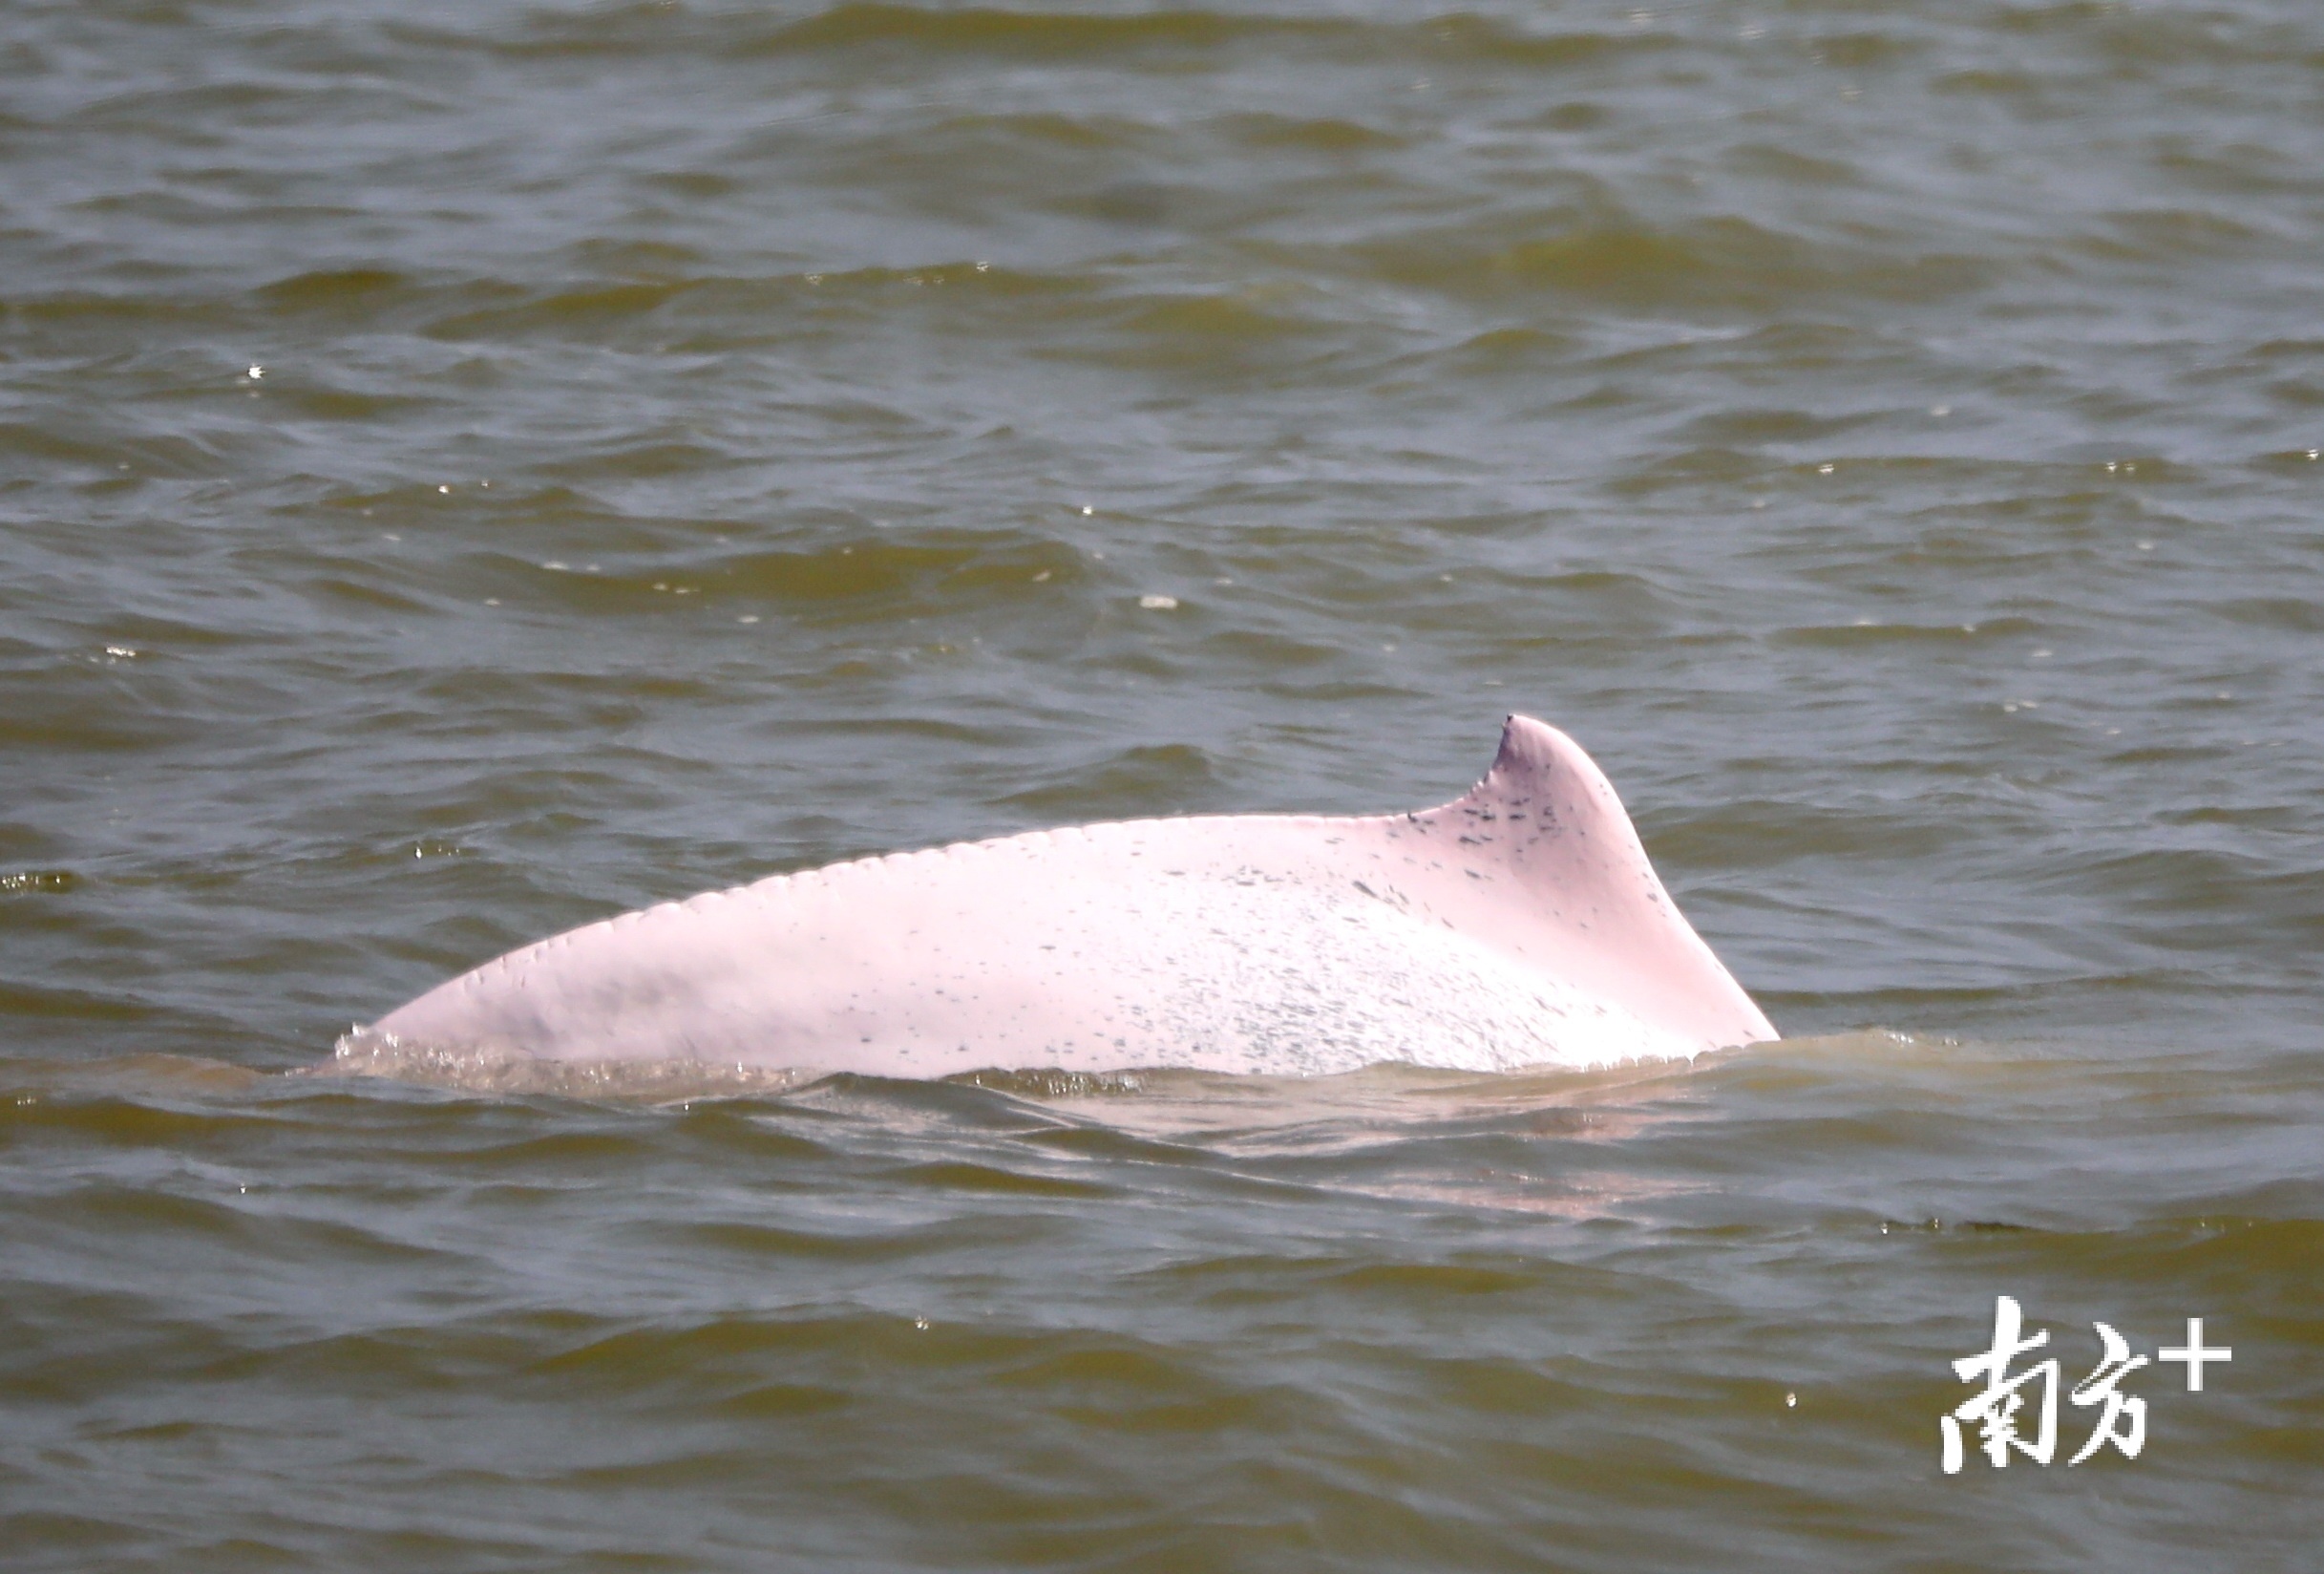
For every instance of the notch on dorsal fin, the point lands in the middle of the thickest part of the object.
(1542, 783)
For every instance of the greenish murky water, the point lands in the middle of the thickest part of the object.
(469, 469)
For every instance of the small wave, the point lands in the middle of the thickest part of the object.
(365, 1052)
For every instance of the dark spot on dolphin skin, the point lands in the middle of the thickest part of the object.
(1367, 890)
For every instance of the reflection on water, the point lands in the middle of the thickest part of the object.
(1611, 1310)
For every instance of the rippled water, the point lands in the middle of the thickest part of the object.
(469, 469)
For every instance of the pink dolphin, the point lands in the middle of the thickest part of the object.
(1518, 925)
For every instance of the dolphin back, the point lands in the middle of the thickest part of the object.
(1520, 925)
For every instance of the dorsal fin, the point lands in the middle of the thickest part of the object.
(1546, 819)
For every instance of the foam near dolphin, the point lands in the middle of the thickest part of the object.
(1520, 925)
